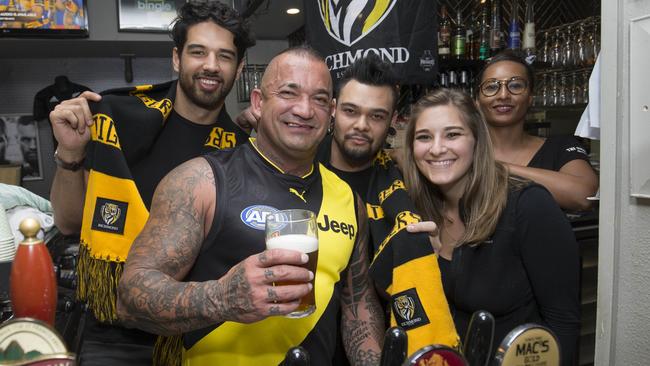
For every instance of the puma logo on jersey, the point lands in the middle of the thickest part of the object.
(337, 227)
(300, 195)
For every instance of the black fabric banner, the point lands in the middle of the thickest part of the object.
(402, 32)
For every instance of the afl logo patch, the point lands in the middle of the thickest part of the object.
(255, 216)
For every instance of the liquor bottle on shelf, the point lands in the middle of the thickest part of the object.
(484, 36)
(453, 78)
(469, 36)
(465, 82)
(444, 35)
(514, 33)
(444, 79)
(529, 30)
(496, 36)
(458, 42)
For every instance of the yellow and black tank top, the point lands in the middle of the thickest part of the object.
(249, 187)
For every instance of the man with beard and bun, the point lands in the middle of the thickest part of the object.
(403, 263)
(127, 140)
(200, 267)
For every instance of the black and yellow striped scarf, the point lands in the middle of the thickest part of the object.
(127, 123)
(404, 264)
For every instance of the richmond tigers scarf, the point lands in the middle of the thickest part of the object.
(404, 264)
(126, 125)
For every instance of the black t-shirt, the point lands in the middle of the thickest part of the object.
(526, 272)
(167, 153)
(359, 181)
(557, 151)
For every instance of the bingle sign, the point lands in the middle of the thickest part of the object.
(400, 32)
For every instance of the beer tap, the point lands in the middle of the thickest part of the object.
(395, 346)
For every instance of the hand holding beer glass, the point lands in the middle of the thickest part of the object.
(296, 230)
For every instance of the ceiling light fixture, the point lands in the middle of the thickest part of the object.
(293, 11)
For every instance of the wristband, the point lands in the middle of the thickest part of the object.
(72, 166)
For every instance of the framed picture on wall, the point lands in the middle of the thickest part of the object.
(20, 144)
(147, 15)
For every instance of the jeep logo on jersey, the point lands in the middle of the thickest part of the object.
(255, 216)
(337, 227)
(348, 21)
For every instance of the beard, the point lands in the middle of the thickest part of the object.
(355, 155)
(206, 100)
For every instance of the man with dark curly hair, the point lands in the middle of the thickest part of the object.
(126, 141)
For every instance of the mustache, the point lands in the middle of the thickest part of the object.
(358, 135)
(211, 75)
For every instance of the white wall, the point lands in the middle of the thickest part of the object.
(623, 324)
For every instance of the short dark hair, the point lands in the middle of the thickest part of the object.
(512, 56)
(371, 70)
(199, 11)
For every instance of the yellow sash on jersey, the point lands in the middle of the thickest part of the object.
(267, 341)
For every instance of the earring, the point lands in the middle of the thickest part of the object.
(330, 129)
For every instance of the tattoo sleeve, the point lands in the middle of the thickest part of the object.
(362, 323)
(151, 296)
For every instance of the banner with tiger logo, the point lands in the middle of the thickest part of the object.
(401, 32)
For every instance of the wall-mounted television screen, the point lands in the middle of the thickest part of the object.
(147, 15)
(43, 18)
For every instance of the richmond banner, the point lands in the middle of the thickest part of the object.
(403, 32)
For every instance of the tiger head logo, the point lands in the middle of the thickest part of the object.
(405, 306)
(110, 213)
(348, 21)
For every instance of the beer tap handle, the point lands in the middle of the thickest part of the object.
(296, 356)
(395, 346)
(479, 338)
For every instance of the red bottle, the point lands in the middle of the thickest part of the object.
(32, 281)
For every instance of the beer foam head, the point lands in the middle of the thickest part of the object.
(300, 242)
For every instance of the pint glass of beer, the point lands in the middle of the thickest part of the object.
(296, 230)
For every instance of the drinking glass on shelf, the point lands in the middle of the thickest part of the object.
(544, 100)
(555, 93)
(545, 56)
(556, 49)
(296, 230)
(585, 86)
(582, 46)
(562, 91)
(596, 37)
(568, 54)
(575, 90)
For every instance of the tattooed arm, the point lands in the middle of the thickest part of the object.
(151, 295)
(362, 323)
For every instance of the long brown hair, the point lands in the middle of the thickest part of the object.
(485, 194)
